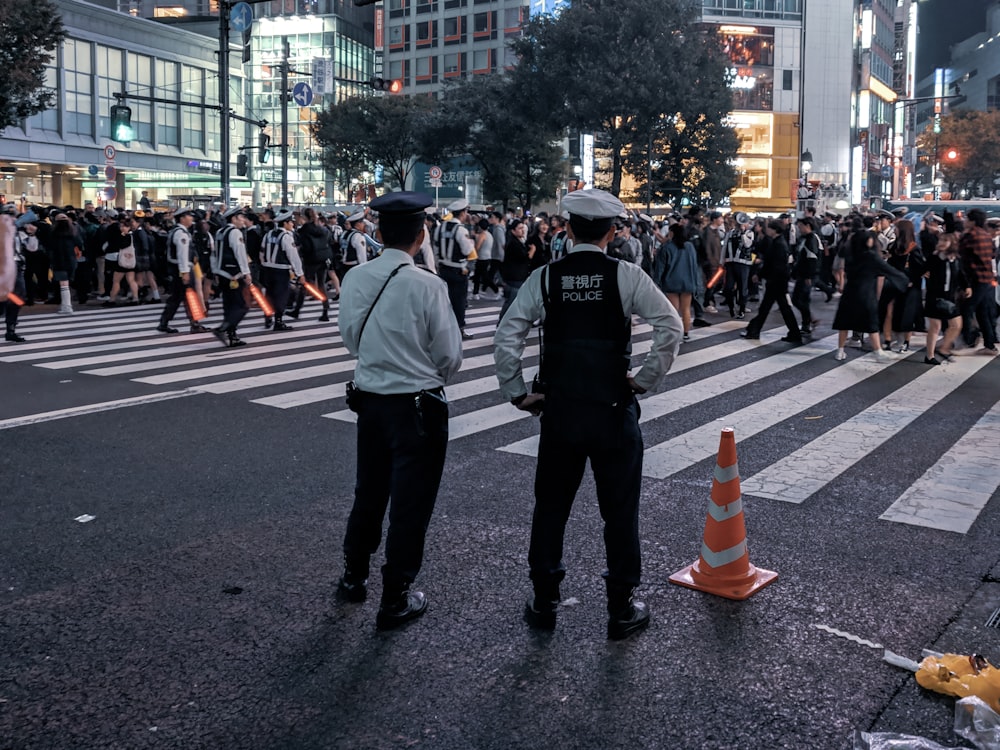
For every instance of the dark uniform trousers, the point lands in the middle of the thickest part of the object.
(178, 291)
(12, 311)
(775, 290)
(234, 304)
(276, 284)
(458, 289)
(315, 273)
(401, 452)
(571, 432)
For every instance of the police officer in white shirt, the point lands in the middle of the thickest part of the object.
(354, 243)
(453, 245)
(232, 268)
(181, 260)
(396, 319)
(586, 398)
(279, 256)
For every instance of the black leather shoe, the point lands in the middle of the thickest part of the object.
(166, 329)
(15, 338)
(540, 613)
(268, 321)
(282, 326)
(234, 341)
(292, 314)
(632, 619)
(324, 318)
(352, 591)
(408, 606)
(197, 328)
(220, 334)
(792, 339)
(700, 323)
(749, 337)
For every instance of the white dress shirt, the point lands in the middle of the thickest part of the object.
(640, 296)
(411, 342)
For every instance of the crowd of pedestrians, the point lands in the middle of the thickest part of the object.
(894, 275)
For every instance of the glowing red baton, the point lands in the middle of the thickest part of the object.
(15, 299)
(194, 305)
(261, 300)
(311, 288)
(715, 278)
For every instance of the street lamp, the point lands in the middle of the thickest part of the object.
(807, 162)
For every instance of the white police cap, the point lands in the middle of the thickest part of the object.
(282, 216)
(457, 206)
(233, 212)
(357, 216)
(594, 204)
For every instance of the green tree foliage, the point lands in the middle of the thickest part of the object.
(625, 69)
(28, 40)
(975, 137)
(506, 130)
(359, 133)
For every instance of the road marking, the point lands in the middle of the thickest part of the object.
(799, 475)
(77, 411)
(951, 493)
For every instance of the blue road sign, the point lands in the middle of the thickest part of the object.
(241, 17)
(92, 170)
(302, 94)
(886, 171)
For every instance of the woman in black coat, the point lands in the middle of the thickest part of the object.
(516, 265)
(858, 308)
(947, 286)
(65, 247)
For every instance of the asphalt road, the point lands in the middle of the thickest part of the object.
(197, 609)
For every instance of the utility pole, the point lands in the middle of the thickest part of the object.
(224, 8)
(286, 54)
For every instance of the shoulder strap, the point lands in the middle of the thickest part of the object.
(545, 287)
(394, 272)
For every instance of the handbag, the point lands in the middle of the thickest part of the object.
(946, 308)
(126, 256)
(353, 393)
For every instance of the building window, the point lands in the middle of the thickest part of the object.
(452, 4)
(426, 6)
(512, 20)
(139, 77)
(484, 25)
(49, 119)
(192, 118)
(109, 82)
(167, 115)
(454, 30)
(786, 80)
(754, 132)
(399, 8)
(426, 70)
(753, 178)
(78, 76)
(454, 65)
(426, 32)
(482, 61)
(399, 37)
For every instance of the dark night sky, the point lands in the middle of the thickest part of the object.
(943, 23)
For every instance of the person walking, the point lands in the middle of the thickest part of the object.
(676, 273)
(18, 261)
(180, 260)
(587, 401)
(396, 319)
(805, 270)
(453, 246)
(775, 272)
(231, 267)
(64, 248)
(278, 258)
(976, 251)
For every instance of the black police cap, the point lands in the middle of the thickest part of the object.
(402, 204)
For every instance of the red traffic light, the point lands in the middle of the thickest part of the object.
(381, 84)
(952, 154)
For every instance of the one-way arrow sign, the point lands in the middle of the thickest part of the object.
(302, 94)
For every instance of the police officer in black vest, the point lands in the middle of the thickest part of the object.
(278, 257)
(586, 398)
(180, 257)
(232, 268)
(452, 246)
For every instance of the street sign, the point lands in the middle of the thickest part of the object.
(109, 152)
(434, 182)
(110, 194)
(92, 170)
(322, 76)
(109, 173)
(302, 94)
(886, 172)
(434, 173)
(241, 17)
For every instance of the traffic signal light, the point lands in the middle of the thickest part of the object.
(263, 148)
(365, 2)
(242, 165)
(121, 123)
(381, 84)
(952, 154)
(246, 45)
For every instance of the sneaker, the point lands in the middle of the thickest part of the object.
(884, 356)
(466, 335)
(711, 309)
(687, 337)
(840, 356)
(103, 298)
(475, 298)
(740, 315)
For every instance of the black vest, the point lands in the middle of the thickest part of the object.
(224, 247)
(587, 337)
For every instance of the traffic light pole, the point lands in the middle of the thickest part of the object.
(224, 177)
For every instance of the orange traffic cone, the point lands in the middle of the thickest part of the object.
(724, 568)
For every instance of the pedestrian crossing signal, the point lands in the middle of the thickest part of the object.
(242, 165)
(121, 123)
(263, 148)
(381, 84)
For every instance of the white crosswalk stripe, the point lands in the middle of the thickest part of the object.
(308, 369)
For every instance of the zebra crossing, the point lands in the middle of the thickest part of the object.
(308, 369)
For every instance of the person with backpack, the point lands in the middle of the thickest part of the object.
(317, 257)
(279, 256)
(181, 260)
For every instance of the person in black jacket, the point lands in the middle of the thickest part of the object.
(805, 270)
(317, 258)
(775, 272)
(516, 265)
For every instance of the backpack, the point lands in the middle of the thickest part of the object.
(126, 256)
